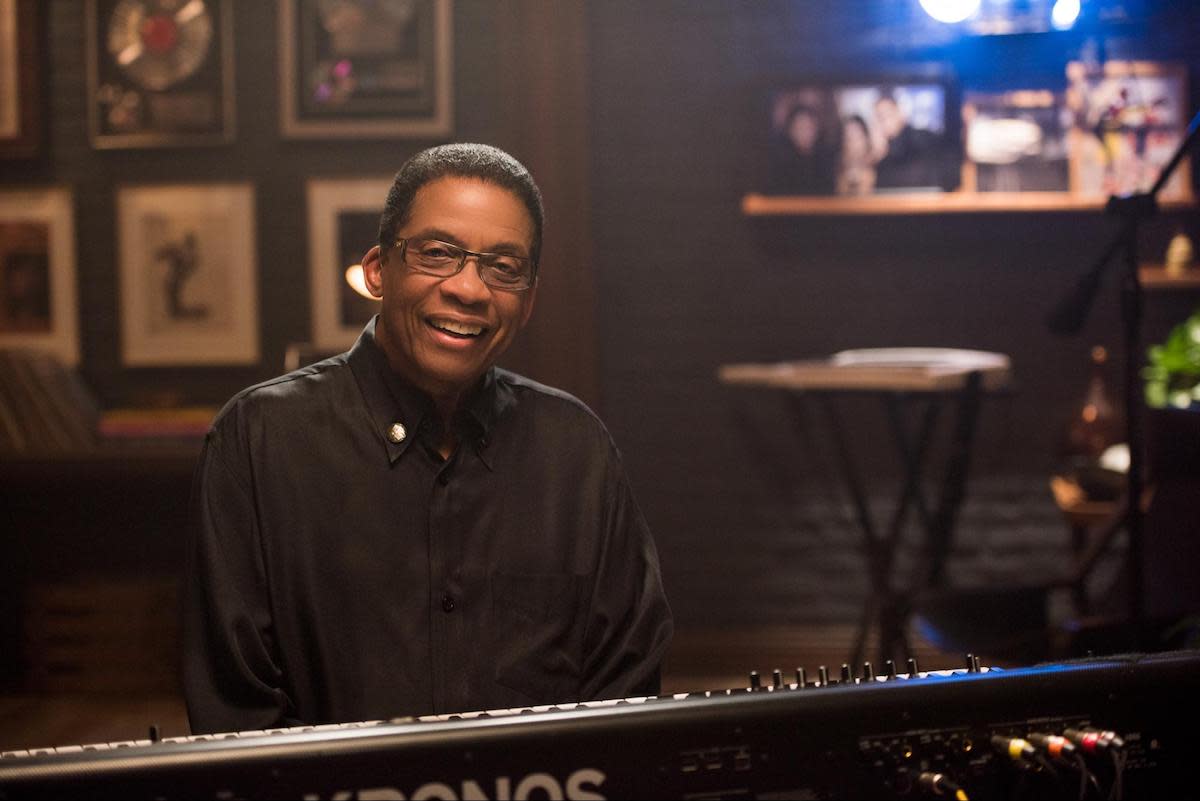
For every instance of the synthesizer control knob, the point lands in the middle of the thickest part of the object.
(801, 678)
(889, 669)
(822, 676)
(912, 668)
(868, 673)
(971, 663)
(755, 681)
(776, 679)
(975, 668)
(847, 676)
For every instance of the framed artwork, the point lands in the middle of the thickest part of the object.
(160, 73)
(188, 274)
(1016, 141)
(365, 68)
(20, 128)
(38, 307)
(343, 224)
(1127, 120)
(863, 137)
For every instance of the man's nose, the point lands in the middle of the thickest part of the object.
(466, 285)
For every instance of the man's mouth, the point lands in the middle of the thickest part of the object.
(457, 329)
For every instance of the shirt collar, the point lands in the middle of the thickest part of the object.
(392, 401)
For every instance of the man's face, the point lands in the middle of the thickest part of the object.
(889, 117)
(803, 132)
(418, 309)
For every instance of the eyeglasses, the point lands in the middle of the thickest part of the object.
(497, 270)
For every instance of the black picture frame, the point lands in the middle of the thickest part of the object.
(20, 96)
(829, 136)
(380, 70)
(343, 224)
(157, 78)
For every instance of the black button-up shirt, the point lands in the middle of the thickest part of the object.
(337, 574)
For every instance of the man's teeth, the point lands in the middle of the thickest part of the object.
(462, 329)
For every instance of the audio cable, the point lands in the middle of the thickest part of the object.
(1032, 762)
(1095, 742)
(1054, 745)
(1016, 748)
(1063, 751)
(939, 784)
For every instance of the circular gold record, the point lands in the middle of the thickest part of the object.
(158, 43)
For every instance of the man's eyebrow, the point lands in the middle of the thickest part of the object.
(506, 248)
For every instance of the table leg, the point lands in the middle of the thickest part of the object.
(893, 617)
(954, 485)
(878, 591)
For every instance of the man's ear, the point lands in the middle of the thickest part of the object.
(372, 265)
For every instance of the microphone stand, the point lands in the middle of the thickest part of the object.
(1067, 318)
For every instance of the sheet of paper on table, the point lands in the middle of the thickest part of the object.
(894, 369)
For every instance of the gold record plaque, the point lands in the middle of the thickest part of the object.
(160, 72)
(365, 68)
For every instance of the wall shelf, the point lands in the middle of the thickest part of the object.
(1154, 278)
(759, 205)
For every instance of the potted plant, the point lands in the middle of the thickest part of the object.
(1173, 395)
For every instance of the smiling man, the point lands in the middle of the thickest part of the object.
(406, 528)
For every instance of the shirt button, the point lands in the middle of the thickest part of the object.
(447, 603)
(397, 433)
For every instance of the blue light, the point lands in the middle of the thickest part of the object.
(950, 11)
(1064, 14)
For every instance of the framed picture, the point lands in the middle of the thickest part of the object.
(1016, 141)
(863, 137)
(343, 224)
(1127, 120)
(160, 73)
(20, 122)
(188, 274)
(38, 307)
(365, 68)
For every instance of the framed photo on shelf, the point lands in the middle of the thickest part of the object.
(1016, 141)
(343, 224)
(1127, 120)
(854, 137)
(160, 73)
(38, 307)
(20, 122)
(188, 274)
(366, 68)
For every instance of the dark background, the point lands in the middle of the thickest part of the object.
(644, 122)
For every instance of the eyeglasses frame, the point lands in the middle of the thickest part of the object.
(402, 243)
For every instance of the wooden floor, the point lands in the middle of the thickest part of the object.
(699, 660)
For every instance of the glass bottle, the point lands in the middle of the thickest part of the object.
(1095, 424)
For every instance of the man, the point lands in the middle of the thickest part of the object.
(908, 157)
(406, 529)
(804, 161)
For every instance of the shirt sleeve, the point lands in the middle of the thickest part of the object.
(232, 678)
(629, 626)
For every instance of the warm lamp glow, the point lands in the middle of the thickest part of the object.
(354, 277)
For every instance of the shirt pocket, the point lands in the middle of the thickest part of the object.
(537, 636)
